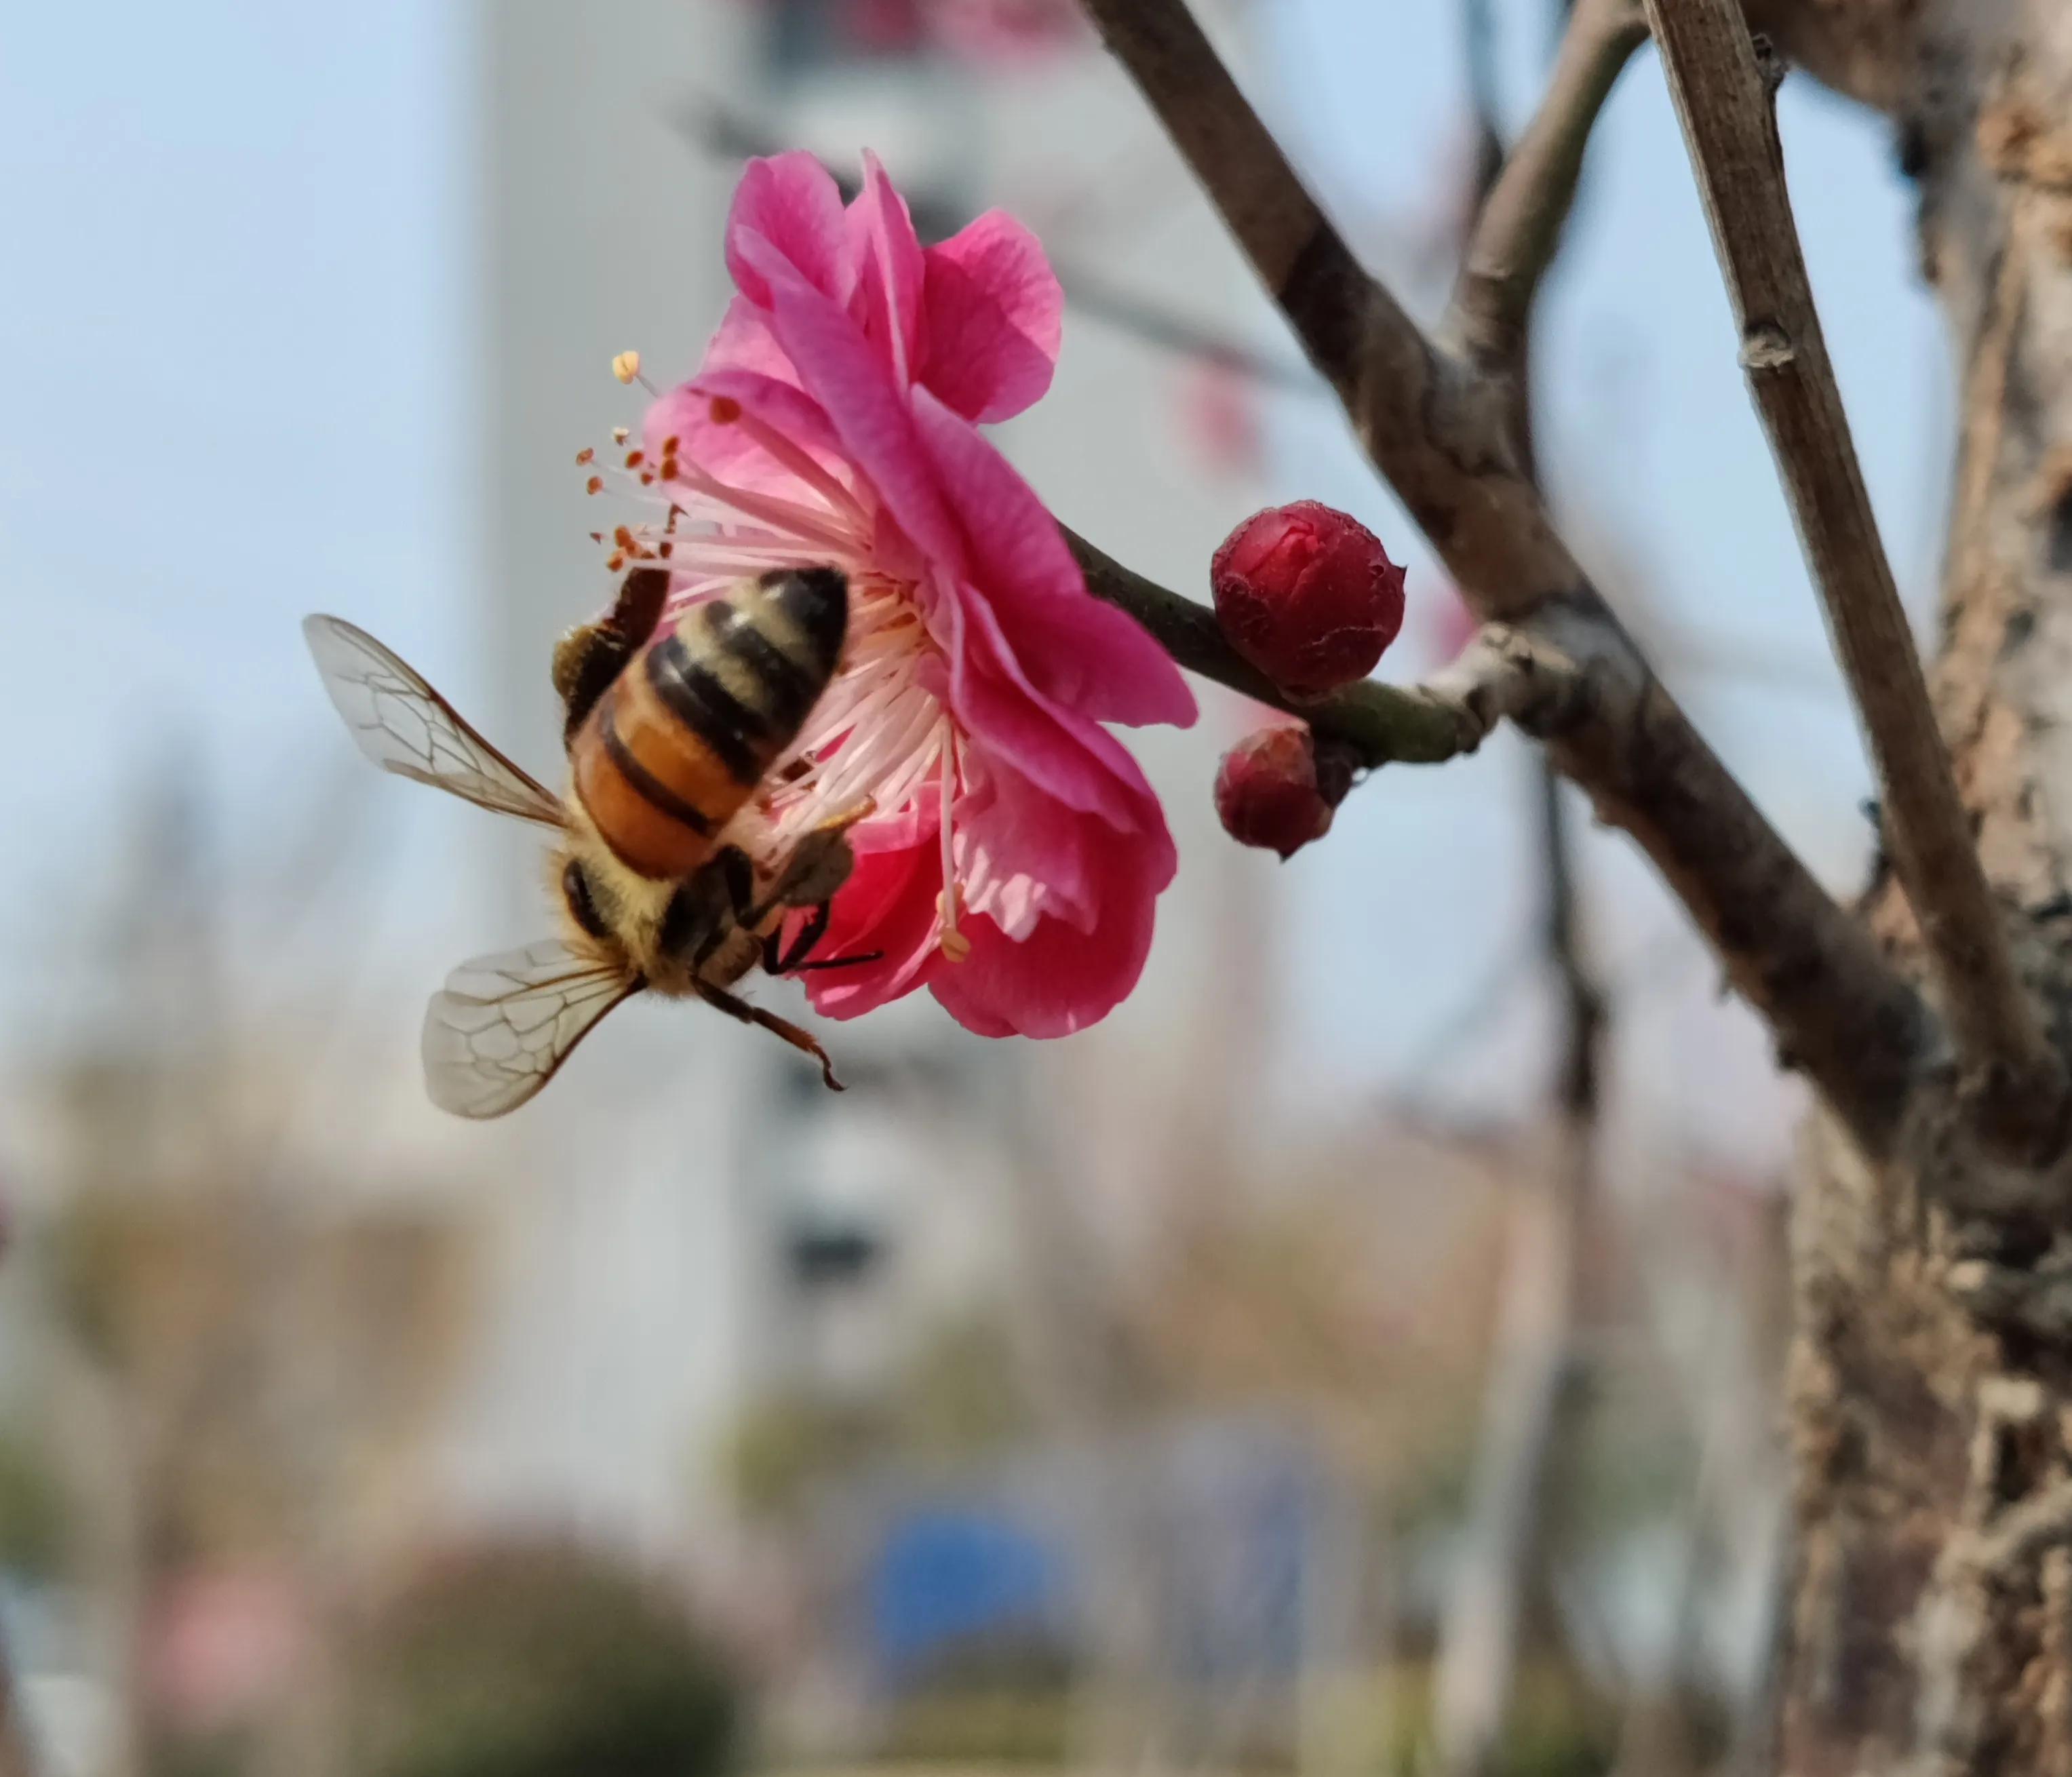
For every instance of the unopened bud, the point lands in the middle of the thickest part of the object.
(1307, 595)
(1275, 789)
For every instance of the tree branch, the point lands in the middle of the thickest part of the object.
(1440, 432)
(1500, 674)
(1722, 101)
(1519, 225)
(1530, 1394)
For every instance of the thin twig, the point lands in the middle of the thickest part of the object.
(1724, 103)
(1535, 1363)
(1529, 1367)
(1520, 226)
(1529, 1397)
(1151, 323)
(1500, 674)
(1441, 434)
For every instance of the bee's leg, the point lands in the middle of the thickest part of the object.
(815, 872)
(790, 1033)
(707, 907)
(817, 867)
(737, 873)
(777, 960)
(825, 963)
(591, 655)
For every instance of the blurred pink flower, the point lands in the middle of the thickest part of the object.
(834, 420)
(998, 33)
(1448, 623)
(1220, 420)
(220, 1642)
(886, 25)
(994, 34)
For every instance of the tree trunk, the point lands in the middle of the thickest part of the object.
(1931, 1396)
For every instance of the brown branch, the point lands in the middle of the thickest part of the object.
(1500, 674)
(1529, 1396)
(1723, 103)
(1519, 225)
(1440, 432)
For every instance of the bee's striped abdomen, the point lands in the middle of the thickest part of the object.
(683, 735)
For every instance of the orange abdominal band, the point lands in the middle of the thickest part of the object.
(656, 789)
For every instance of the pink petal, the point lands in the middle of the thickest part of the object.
(838, 367)
(1058, 979)
(782, 406)
(912, 826)
(1007, 829)
(1059, 751)
(992, 320)
(790, 202)
(726, 450)
(889, 904)
(743, 342)
(887, 254)
(1087, 655)
(1073, 760)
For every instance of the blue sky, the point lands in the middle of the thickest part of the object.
(237, 244)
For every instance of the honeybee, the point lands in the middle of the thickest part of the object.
(669, 731)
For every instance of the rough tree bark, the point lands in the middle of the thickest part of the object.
(1931, 1630)
(1932, 1393)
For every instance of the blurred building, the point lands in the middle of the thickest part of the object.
(694, 1225)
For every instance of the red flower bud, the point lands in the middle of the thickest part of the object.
(1307, 595)
(1277, 788)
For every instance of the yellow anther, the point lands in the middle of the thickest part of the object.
(954, 945)
(626, 366)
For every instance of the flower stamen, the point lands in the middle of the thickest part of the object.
(626, 367)
(780, 515)
(801, 463)
(954, 945)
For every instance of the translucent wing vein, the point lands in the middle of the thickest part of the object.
(502, 1025)
(406, 727)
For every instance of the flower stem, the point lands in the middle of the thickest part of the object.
(1382, 724)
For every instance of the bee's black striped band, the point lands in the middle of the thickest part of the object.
(650, 788)
(694, 695)
(789, 690)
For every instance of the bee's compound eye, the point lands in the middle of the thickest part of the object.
(582, 904)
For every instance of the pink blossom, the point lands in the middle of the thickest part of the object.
(989, 32)
(1449, 624)
(834, 420)
(1220, 420)
(1002, 32)
(217, 1644)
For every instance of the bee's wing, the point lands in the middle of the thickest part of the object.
(495, 1035)
(406, 727)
